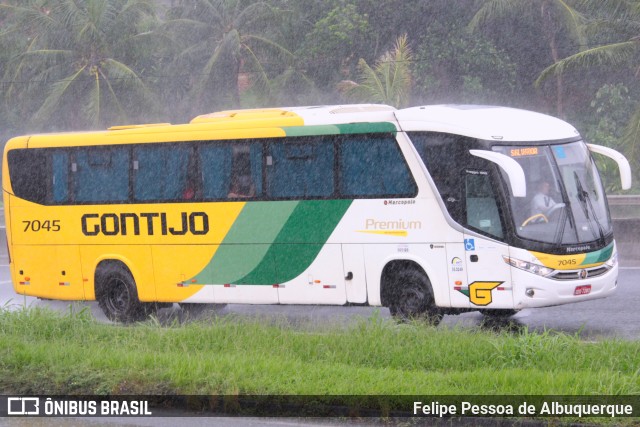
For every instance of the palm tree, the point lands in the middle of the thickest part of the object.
(556, 17)
(389, 80)
(620, 19)
(226, 45)
(85, 54)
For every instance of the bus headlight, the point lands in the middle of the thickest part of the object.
(540, 270)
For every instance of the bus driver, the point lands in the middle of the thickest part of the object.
(542, 202)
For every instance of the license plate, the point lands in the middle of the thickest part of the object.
(582, 290)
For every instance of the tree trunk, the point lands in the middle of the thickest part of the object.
(550, 31)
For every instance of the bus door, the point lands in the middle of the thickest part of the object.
(488, 276)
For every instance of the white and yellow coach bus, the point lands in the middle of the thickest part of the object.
(426, 210)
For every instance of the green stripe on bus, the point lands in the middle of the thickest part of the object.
(299, 242)
(381, 127)
(247, 242)
(347, 128)
(311, 130)
(598, 256)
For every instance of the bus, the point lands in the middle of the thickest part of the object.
(428, 211)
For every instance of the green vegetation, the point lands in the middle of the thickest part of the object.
(389, 81)
(88, 56)
(43, 352)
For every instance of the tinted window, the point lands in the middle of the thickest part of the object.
(320, 167)
(161, 173)
(445, 157)
(28, 172)
(482, 209)
(467, 192)
(101, 174)
(60, 169)
(215, 164)
(373, 166)
(303, 168)
(231, 171)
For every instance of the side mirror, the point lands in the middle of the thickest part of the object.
(620, 159)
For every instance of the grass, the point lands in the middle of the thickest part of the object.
(42, 352)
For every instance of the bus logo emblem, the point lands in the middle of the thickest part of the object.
(479, 293)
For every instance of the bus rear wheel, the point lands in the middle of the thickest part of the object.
(412, 298)
(118, 297)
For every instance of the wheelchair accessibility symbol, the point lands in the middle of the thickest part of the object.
(469, 245)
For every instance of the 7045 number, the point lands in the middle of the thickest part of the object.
(46, 225)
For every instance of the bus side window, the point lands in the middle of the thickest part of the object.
(444, 156)
(373, 166)
(301, 169)
(160, 172)
(482, 209)
(60, 178)
(28, 174)
(102, 174)
(215, 163)
(230, 170)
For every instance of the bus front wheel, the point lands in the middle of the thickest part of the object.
(412, 297)
(117, 295)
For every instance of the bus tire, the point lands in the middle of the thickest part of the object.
(117, 295)
(411, 297)
(192, 309)
(499, 313)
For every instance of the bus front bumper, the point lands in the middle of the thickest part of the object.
(530, 290)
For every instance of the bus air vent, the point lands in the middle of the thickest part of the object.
(575, 274)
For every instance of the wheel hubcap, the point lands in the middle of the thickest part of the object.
(412, 301)
(118, 298)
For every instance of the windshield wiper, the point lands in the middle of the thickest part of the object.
(585, 202)
(564, 216)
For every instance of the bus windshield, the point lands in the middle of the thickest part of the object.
(565, 202)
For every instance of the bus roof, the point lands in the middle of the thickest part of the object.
(485, 122)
